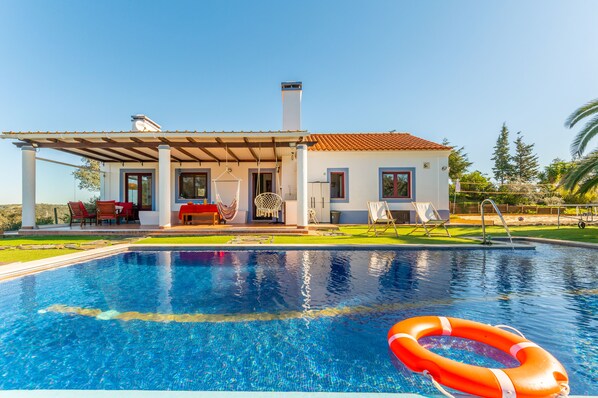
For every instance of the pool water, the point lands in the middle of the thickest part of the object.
(287, 320)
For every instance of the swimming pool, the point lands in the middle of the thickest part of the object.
(301, 320)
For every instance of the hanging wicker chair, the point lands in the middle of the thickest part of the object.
(268, 204)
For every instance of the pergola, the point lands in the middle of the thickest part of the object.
(164, 148)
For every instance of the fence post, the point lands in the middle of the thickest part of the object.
(55, 216)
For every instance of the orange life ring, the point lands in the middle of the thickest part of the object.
(539, 375)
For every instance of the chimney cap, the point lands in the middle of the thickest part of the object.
(288, 86)
(146, 120)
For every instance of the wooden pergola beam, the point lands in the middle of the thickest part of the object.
(182, 150)
(250, 149)
(134, 150)
(154, 147)
(201, 148)
(274, 147)
(126, 156)
(86, 156)
(225, 145)
(173, 160)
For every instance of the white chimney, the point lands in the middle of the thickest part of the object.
(144, 123)
(291, 105)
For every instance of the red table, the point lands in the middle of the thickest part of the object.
(187, 212)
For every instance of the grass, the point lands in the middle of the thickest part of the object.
(12, 254)
(352, 235)
(570, 233)
(358, 235)
(54, 240)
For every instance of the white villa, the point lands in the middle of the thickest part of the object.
(160, 170)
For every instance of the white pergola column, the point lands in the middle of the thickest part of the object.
(28, 193)
(302, 220)
(164, 186)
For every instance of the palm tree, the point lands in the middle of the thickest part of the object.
(584, 175)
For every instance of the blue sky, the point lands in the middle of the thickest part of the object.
(437, 69)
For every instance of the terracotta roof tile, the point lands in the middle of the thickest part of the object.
(372, 142)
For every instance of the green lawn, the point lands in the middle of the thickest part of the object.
(12, 254)
(357, 235)
(352, 235)
(54, 240)
(589, 234)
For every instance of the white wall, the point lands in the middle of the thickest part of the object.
(431, 185)
(111, 189)
(289, 178)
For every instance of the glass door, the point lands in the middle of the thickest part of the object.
(138, 190)
(265, 185)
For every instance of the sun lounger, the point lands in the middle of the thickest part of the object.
(379, 214)
(427, 217)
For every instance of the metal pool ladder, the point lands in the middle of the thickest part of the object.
(504, 223)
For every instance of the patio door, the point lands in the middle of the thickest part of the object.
(265, 185)
(139, 190)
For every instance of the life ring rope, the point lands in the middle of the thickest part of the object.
(437, 385)
(510, 328)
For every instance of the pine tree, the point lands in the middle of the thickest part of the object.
(503, 168)
(458, 161)
(89, 175)
(525, 162)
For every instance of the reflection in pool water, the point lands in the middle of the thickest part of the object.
(285, 320)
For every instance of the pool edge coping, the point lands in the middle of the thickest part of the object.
(201, 394)
(19, 269)
(214, 394)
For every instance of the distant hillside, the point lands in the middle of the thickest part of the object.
(10, 215)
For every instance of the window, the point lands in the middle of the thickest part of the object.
(193, 185)
(396, 184)
(337, 185)
(338, 178)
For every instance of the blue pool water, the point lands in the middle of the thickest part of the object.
(286, 320)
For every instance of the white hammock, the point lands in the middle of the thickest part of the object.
(228, 212)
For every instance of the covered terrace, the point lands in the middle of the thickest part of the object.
(162, 149)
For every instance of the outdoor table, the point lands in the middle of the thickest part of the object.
(208, 211)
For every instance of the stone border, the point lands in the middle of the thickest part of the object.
(197, 394)
(15, 270)
(571, 243)
(209, 394)
(18, 269)
(297, 246)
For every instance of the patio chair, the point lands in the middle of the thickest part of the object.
(79, 212)
(127, 211)
(427, 217)
(312, 217)
(267, 204)
(379, 214)
(106, 210)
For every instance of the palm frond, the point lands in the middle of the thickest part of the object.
(588, 185)
(583, 174)
(582, 112)
(581, 140)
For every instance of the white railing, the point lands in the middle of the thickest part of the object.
(504, 223)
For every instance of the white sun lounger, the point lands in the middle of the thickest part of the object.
(427, 217)
(379, 214)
